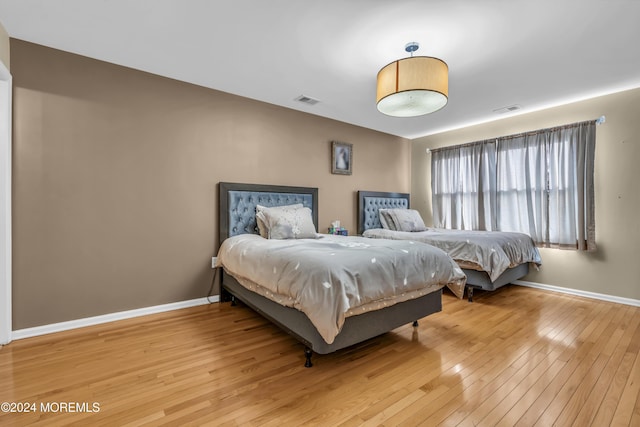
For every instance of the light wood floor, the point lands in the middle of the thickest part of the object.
(517, 356)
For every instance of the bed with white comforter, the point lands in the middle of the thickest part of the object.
(490, 251)
(490, 259)
(333, 277)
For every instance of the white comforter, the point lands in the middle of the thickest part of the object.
(491, 251)
(332, 277)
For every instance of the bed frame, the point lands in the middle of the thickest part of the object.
(370, 201)
(237, 216)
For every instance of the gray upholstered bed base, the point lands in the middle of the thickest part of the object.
(356, 329)
(370, 201)
(237, 216)
(481, 280)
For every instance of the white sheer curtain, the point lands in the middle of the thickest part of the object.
(522, 186)
(539, 183)
(545, 186)
(463, 186)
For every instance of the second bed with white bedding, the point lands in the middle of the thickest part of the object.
(490, 251)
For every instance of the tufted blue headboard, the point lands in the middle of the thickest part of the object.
(238, 204)
(370, 201)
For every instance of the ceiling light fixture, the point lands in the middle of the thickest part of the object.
(413, 86)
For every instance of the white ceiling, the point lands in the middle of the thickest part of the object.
(535, 54)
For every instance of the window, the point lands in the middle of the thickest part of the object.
(539, 183)
(463, 184)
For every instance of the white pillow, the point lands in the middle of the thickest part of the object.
(406, 220)
(289, 223)
(262, 228)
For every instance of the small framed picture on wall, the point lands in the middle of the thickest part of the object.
(341, 158)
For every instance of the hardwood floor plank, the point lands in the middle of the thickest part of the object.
(617, 350)
(489, 410)
(588, 370)
(610, 401)
(635, 417)
(492, 359)
(514, 356)
(530, 397)
(625, 408)
(516, 394)
(496, 406)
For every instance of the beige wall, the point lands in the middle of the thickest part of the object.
(4, 47)
(115, 173)
(614, 269)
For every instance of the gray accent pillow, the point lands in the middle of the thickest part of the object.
(405, 220)
(386, 220)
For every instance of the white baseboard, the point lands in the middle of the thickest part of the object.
(577, 292)
(105, 318)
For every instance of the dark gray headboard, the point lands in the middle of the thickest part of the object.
(238, 202)
(370, 201)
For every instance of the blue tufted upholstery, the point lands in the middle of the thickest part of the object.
(372, 204)
(242, 207)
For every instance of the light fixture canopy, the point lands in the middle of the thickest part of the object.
(413, 86)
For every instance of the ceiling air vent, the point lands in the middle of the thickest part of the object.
(508, 109)
(307, 100)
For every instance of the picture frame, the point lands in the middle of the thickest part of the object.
(341, 158)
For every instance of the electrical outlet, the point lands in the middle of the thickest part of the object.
(214, 259)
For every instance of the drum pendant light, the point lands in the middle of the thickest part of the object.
(413, 86)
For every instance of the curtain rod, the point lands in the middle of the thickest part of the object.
(600, 120)
(468, 144)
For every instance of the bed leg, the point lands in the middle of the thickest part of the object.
(233, 301)
(470, 293)
(415, 323)
(307, 356)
